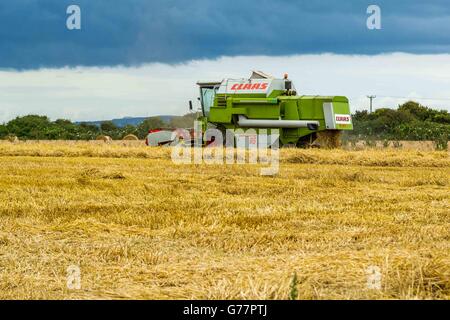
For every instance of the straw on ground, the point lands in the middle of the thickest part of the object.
(139, 226)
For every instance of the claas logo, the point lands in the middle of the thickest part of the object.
(250, 86)
(343, 118)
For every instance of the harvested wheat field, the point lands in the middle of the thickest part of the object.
(140, 226)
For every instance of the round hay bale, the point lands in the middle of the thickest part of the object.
(130, 137)
(12, 138)
(104, 138)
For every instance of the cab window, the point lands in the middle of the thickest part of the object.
(207, 99)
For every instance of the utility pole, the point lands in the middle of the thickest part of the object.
(371, 98)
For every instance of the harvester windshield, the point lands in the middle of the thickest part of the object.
(207, 94)
(207, 99)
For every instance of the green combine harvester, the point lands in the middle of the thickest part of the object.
(263, 102)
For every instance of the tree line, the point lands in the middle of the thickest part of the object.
(409, 121)
(35, 127)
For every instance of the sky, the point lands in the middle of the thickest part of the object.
(142, 58)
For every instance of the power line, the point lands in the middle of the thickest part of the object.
(412, 98)
(401, 97)
(371, 97)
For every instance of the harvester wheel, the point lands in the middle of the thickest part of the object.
(307, 141)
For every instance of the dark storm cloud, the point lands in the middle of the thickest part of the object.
(33, 33)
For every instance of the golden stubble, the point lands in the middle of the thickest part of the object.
(140, 226)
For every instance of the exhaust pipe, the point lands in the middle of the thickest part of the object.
(263, 123)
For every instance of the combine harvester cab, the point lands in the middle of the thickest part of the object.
(264, 103)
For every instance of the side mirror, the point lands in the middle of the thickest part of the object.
(190, 105)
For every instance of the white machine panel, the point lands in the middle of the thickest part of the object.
(250, 86)
(328, 112)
